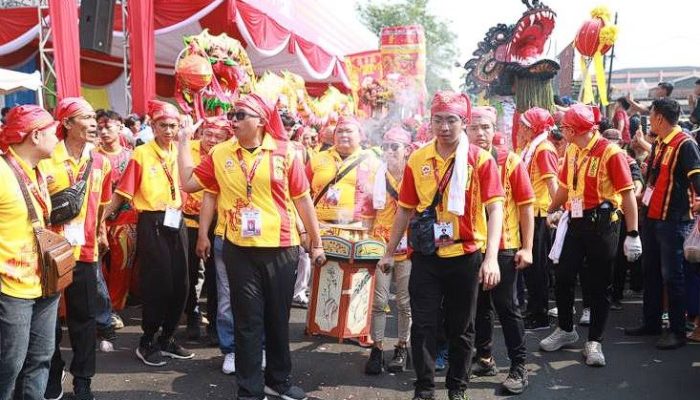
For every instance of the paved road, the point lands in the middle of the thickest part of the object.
(331, 371)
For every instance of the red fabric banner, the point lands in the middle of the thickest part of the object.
(64, 32)
(142, 54)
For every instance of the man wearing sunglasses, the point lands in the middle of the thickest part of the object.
(387, 183)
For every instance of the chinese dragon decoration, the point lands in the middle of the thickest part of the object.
(509, 67)
(210, 73)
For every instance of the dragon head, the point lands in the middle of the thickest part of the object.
(513, 51)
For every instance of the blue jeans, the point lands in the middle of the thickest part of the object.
(104, 303)
(224, 314)
(664, 266)
(27, 334)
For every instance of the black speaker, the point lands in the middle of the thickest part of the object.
(96, 20)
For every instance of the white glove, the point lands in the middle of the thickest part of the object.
(553, 218)
(632, 248)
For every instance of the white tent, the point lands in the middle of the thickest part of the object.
(12, 81)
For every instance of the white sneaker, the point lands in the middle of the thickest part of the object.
(264, 360)
(554, 312)
(106, 346)
(593, 352)
(229, 366)
(585, 317)
(117, 321)
(558, 339)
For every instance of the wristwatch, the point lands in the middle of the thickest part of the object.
(633, 234)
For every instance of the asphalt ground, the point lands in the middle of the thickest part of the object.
(330, 370)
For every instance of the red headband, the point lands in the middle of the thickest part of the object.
(537, 119)
(453, 103)
(256, 104)
(581, 118)
(70, 107)
(159, 109)
(218, 123)
(21, 121)
(487, 112)
(397, 135)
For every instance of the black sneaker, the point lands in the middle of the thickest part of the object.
(292, 393)
(423, 396)
(194, 327)
(516, 382)
(484, 367)
(457, 394)
(81, 389)
(615, 305)
(670, 341)
(149, 353)
(171, 349)
(54, 389)
(375, 364)
(399, 361)
(536, 322)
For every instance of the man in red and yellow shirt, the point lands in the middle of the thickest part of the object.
(261, 176)
(214, 130)
(75, 158)
(540, 160)
(341, 176)
(152, 183)
(27, 320)
(385, 203)
(515, 254)
(448, 276)
(594, 184)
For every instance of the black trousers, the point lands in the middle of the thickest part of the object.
(594, 247)
(81, 309)
(451, 283)
(163, 278)
(195, 274)
(537, 275)
(262, 286)
(502, 300)
(621, 268)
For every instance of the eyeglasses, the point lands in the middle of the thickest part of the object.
(451, 121)
(241, 115)
(392, 146)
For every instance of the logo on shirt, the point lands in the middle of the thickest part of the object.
(228, 164)
(425, 170)
(593, 167)
(153, 170)
(278, 168)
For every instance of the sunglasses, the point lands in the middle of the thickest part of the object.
(392, 146)
(241, 115)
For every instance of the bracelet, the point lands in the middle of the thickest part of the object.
(317, 247)
(302, 233)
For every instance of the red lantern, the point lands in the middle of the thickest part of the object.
(194, 72)
(588, 38)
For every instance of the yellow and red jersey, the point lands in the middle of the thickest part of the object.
(384, 219)
(193, 202)
(542, 166)
(278, 179)
(20, 275)
(354, 188)
(61, 172)
(596, 173)
(423, 172)
(151, 179)
(119, 160)
(518, 191)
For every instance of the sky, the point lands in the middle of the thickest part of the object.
(651, 32)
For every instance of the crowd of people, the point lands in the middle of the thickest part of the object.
(234, 206)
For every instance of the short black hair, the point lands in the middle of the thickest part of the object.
(109, 114)
(667, 86)
(604, 125)
(667, 108)
(287, 119)
(624, 103)
(697, 82)
(131, 120)
(4, 111)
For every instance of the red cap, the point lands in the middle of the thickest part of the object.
(581, 118)
(21, 121)
(453, 103)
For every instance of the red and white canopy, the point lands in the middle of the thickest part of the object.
(307, 37)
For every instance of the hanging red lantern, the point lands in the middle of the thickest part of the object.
(595, 38)
(588, 38)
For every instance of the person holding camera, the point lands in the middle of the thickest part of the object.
(152, 183)
(448, 184)
(27, 318)
(594, 183)
(79, 180)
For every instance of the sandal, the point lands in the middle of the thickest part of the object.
(694, 336)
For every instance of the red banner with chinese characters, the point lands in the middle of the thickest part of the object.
(403, 66)
(363, 69)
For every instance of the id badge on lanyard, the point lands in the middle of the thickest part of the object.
(251, 222)
(74, 232)
(173, 217)
(444, 234)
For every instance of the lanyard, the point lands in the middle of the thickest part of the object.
(338, 166)
(33, 188)
(168, 175)
(69, 171)
(656, 163)
(585, 160)
(249, 176)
